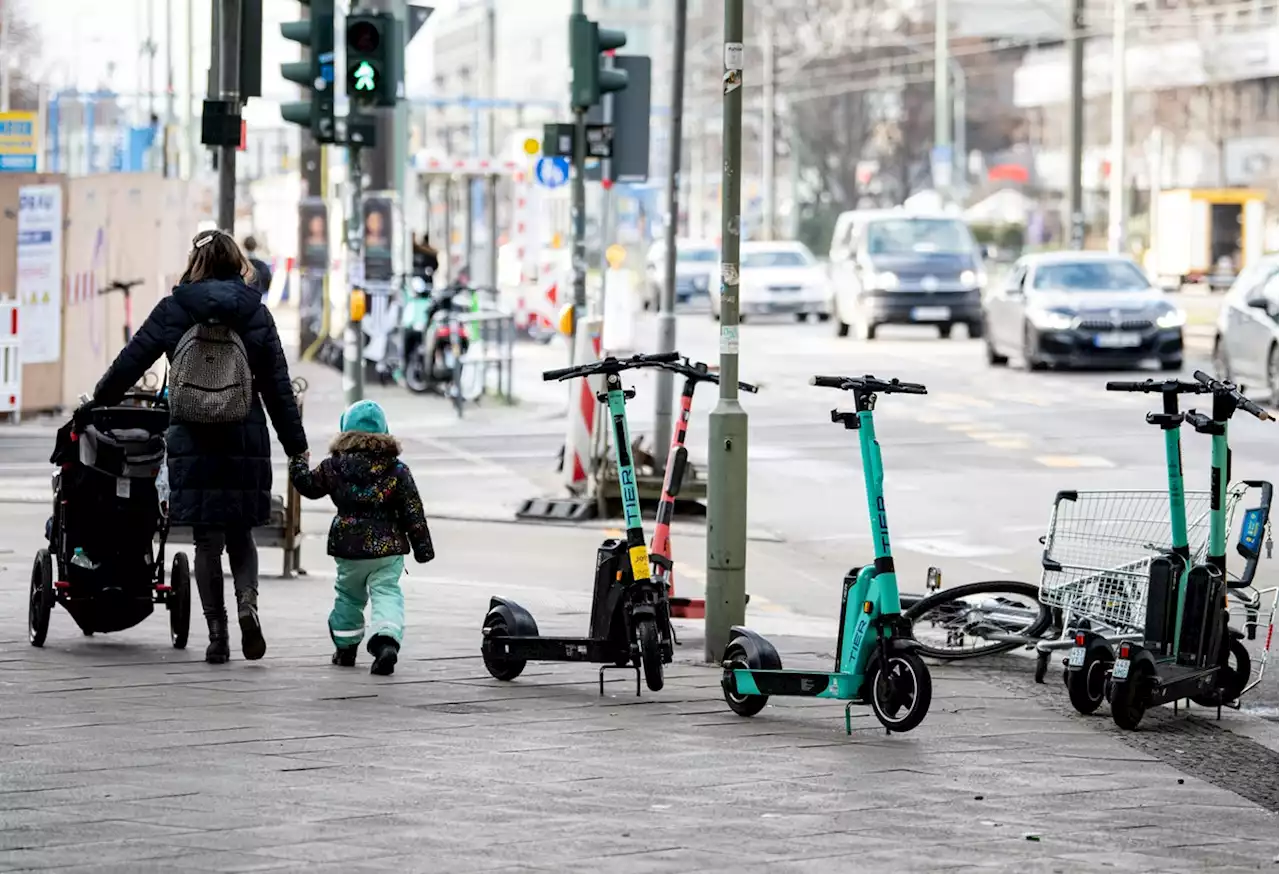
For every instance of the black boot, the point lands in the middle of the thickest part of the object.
(345, 656)
(219, 650)
(385, 652)
(252, 643)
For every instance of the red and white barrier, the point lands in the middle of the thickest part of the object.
(579, 444)
(10, 358)
(465, 166)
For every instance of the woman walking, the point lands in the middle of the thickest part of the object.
(227, 375)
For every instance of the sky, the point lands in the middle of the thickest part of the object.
(83, 39)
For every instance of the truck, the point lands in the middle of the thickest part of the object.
(1206, 235)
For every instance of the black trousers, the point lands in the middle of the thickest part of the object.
(243, 553)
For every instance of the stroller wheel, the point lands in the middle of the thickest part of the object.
(179, 601)
(40, 602)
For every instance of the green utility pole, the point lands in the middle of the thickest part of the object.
(578, 204)
(727, 453)
(353, 339)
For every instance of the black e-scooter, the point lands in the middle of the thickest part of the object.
(630, 618)
(1186, 641)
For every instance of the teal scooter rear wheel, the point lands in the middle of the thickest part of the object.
(735, 658)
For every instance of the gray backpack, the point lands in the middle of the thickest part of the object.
(210, 381)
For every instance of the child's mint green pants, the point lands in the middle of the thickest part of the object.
(365, 580)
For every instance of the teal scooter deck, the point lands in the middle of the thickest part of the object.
(876, 662)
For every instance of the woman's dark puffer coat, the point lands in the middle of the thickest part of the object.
(219, 475)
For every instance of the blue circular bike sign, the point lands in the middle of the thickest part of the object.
(552, 172)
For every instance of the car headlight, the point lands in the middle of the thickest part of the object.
(1172, 318)
(1051, 320)
(700, 283)
(972, 279)
(884, 280)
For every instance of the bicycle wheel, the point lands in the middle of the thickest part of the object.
(978, 619)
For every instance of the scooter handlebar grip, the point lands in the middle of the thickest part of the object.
(1130, 386)
(748, 387)
(912, 388)
(659, 358)
(828, 381)
(562, 373)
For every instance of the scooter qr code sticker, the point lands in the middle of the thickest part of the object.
(122, 487)
(729, 339)
(639, 563)
(1121, 670)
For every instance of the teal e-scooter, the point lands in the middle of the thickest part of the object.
(876, 659)
(1186, 639)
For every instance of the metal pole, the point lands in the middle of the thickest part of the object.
(1119, 130)
(170, 113)
(6, 16)
(491, 183)
(190, 115)
(1075, 193)
(769, 205)
(228, 89)
(491, 211)
(151, 59)
(578, 217)
(727, 452)
(941, 84)
(667, 303)
(353, 339)
(960, 119)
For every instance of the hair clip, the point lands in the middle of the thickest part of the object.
(201, 241)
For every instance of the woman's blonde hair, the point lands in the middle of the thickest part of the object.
(216, 255)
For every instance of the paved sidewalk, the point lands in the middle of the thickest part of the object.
(119, 754)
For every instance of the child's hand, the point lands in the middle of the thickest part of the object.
(422, 556)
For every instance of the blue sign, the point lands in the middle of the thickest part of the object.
(552, 172)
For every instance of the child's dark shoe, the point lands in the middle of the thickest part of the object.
(385, 652)
(345, 657)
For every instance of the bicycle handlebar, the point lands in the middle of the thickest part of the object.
(869, 383)
(611, 365)
(1153, 385)
(1229, 390)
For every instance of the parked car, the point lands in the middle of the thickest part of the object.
(779, 277)
(1081, 308)
(697, 270)
(900, 267)
(1245, 339)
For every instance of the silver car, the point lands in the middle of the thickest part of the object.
(1244, 346)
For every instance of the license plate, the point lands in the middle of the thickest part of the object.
(785, 289)
(1120, 671)
(930, 314)
(1075, 658)
(1117, 340)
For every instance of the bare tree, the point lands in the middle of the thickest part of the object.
(23, 50)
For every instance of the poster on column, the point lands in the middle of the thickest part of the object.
(379, 231)
(39, 285)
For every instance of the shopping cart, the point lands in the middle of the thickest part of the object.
(1097, 556)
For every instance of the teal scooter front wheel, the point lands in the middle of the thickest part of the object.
(901, 690)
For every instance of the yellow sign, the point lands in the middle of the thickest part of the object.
(19, 142)
(639, 563)
(532, 146)
(556, 240)
(566, 320)
(615, 255)
(358, 305)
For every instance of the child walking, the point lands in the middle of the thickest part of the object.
(380, 519)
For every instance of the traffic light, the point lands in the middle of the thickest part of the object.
(587, 40)
(315, 73)
(375, 55)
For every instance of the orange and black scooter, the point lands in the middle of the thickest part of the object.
(677, 464)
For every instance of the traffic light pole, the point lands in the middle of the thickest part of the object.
(228, 13)
(727, 452)
(667, 304)
(579, 216)
(353, 338)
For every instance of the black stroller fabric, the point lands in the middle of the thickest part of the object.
(106, 505)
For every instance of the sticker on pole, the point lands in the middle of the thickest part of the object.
(729, 273)
(728, 339)
(733, 56)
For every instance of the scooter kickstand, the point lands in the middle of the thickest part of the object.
(620, 668)
(848, 718)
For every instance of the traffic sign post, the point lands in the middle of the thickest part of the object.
(551, 172)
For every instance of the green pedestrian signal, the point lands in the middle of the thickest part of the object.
(364, 77)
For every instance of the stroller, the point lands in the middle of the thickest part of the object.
(107, 519)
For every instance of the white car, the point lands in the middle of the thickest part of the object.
(1248, 330)
(779, 277)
